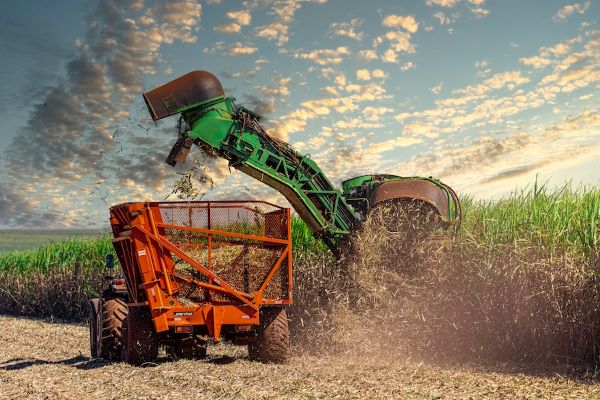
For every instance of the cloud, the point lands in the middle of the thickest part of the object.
(348, 29)
(475, 6)
(228, 28)
(406, 66)
(569, 9)
(242, 18)
(261, 105)
(296, 120)
(508, 79)
(363, 75)
(368, 54)
(497, 101)
(398, 41)
(67, 141)
(379, 74)
(480, 11)
(547, 55)
(275, 31)
(391, 144)
(325, 56)
(283, 11)
(390, 56)
(241, 74)
(443, 3)
(279, 91)
(366, 75)
(480, 165)
(400, 21)
(442, 18)
(437, 89)
(239, 49)
(371, 113)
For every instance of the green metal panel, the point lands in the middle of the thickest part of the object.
(234, 133)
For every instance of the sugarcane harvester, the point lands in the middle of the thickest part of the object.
(196, 271)
(220, 127)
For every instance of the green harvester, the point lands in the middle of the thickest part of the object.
(222, 128)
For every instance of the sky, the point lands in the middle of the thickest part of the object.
(486, 95)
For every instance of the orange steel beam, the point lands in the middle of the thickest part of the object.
(208, 285)
(227, 234)
(209, 274)
(158, 252)
(289, 260)
(273, 270)
(218, 203)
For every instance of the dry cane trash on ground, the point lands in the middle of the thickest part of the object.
(41, 360)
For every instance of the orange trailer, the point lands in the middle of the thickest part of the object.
(194, 271)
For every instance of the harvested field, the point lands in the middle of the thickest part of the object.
(41, 360)
(505, 311)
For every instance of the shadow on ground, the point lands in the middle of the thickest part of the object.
(79, 362)
(86, 363)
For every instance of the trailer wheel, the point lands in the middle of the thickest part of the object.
(114, 312)
(191, 347)
(140, 342)
(273, 341)
(93, 305)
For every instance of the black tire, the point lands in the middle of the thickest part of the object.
(114, 313)
(93, 305)
(140, 342)
(273, 341)
(192, 347)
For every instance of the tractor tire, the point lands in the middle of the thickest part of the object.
(192, 347)
(273, 341)
(94, 305)
(114, 313)
(140, 342)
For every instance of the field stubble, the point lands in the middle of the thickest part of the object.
(431, 298)
(41, 360)
(518, 288)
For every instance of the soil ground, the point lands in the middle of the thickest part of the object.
(42, 360)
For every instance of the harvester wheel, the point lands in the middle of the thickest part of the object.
(114, 312)
(140, 342)
(191, 347)
(94, 305)
(273, 341)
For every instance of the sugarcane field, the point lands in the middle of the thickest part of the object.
(300, 199)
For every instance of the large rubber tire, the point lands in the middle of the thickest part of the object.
(114, 313)
(94, 305)
(140, 342)
(273, 342)
(192, 347)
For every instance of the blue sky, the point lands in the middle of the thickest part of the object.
(486, 95)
